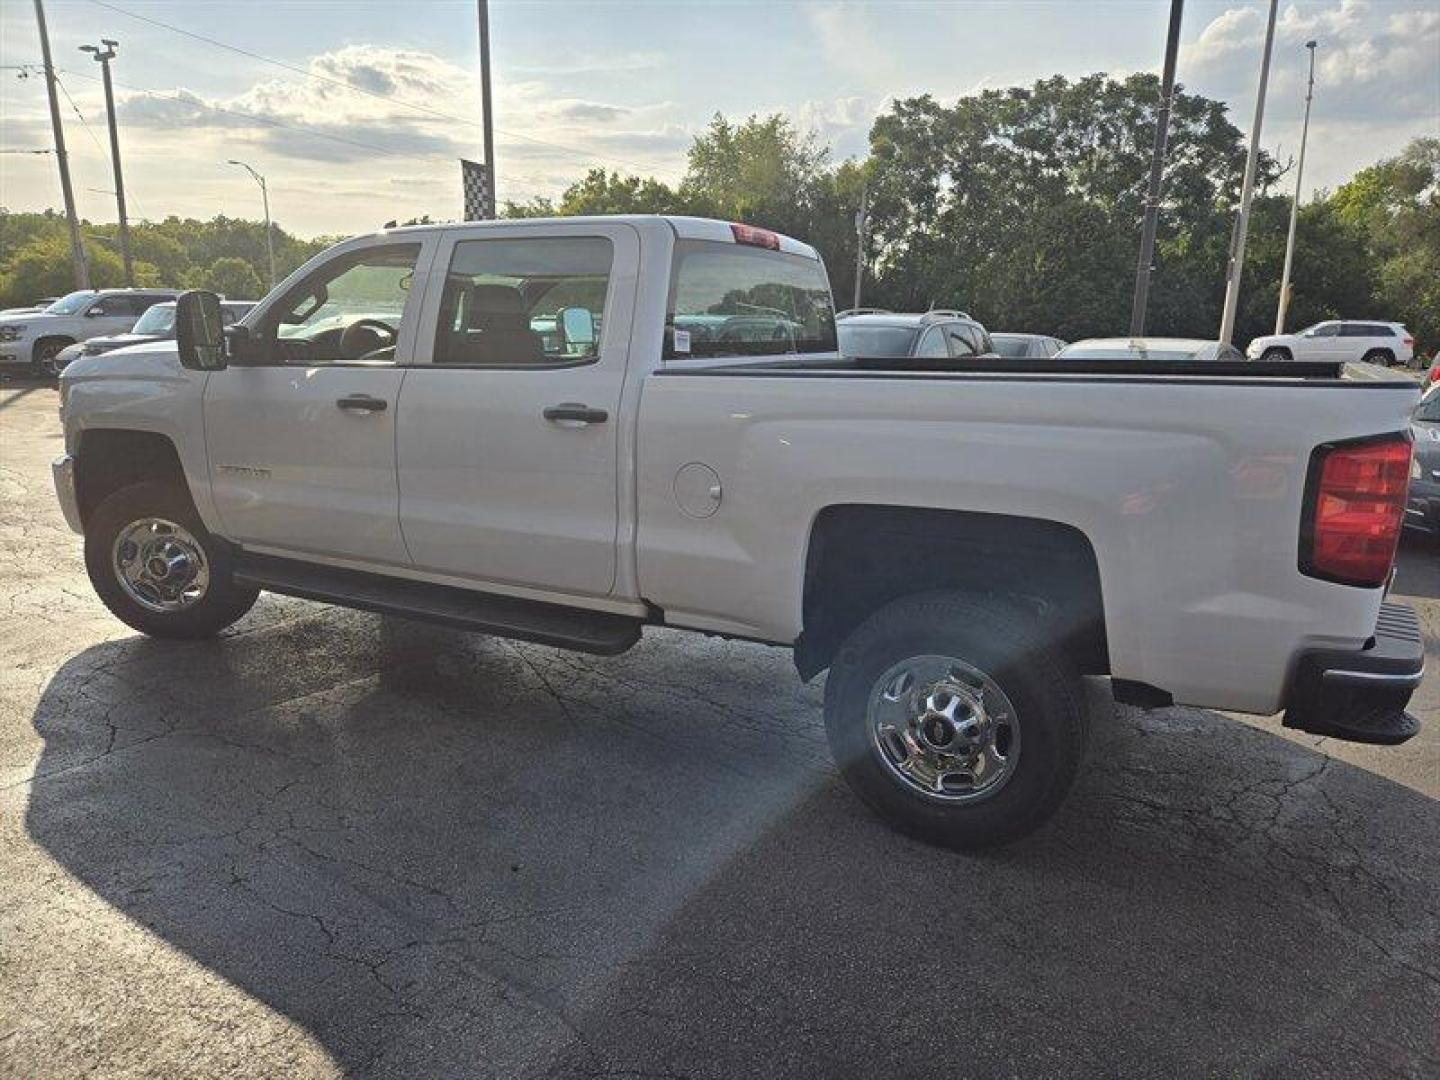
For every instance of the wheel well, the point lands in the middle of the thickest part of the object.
(862, 557)
(1280, 349)
(62, 339)
(108, 460)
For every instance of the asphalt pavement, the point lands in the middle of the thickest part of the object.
(333, 843)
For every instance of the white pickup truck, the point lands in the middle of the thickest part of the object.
(566, 431)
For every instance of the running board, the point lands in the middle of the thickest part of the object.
(503, 616)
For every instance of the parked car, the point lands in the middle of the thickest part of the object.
(157, 324)
(30, 341)
(1423, 511)
(1026, 346)
(1383, 343)
(1151, 348)
(958, 548)
(930, 334)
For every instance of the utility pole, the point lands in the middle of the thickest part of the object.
(265, 199)
(77, 247)
(1157, 174)
(1284, 305)
(1247, 191)
(104, 53)
(861, 221)
(485, 102)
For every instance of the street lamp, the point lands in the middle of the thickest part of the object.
(103, 54)
(1295, 205)
(265, 198)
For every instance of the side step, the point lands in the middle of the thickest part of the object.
(503, 616)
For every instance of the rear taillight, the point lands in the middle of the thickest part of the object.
(1354, 509)
(749, 234)
(1434, 375)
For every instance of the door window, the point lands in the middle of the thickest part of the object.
(1324, 330)
(347, 311)
(537, 302)
(963, 342)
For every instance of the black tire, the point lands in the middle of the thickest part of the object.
(223, 602)
(1382, 357)
(1275, 355)
(42, 356)
(1006, 643)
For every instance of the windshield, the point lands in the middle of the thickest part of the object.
(159, 319)
(72, 304)
(1010, 345)
(875, 341)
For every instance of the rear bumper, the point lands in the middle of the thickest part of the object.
(1361, 695)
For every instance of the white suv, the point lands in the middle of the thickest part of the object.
(1374, 342)
(30, 340)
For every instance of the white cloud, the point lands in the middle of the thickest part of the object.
(1371, 64)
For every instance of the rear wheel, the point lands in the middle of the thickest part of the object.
(954, 718)
(1275, 355)
(156, 567)
(1383, 357)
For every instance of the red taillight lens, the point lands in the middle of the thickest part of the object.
(1434, 375)
(1355, 509)
(749, 234)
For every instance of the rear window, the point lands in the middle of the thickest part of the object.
(1014, 347)
(735, 300)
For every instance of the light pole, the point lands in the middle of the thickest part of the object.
(862, 219)
(1157, 174)
(103, 54)
(486, 105)
(1295, 206)
(265, 198)
(1247, 190)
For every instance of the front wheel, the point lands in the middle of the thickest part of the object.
(955, 719)
(42, 360)
(157, 568)
(1275, 356)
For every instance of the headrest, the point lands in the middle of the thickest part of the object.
(488, 300)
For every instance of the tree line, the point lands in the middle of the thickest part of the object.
(1019, 205)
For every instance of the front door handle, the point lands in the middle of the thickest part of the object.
(362, 403)
(576, 413)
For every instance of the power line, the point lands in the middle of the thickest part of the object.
(368, 93)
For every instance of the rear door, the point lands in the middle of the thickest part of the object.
(508, 435)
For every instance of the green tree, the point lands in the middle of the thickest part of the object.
(233, 278)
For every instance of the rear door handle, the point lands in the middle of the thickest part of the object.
(576, 413)
(362, 403)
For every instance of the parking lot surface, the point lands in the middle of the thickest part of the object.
(333, 843)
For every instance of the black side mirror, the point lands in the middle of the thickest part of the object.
(200, 331)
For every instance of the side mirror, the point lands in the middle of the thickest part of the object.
(95, 311)
(577, 324)
(200, 331)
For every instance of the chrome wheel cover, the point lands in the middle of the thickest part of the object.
(944, 729)
(160, 565)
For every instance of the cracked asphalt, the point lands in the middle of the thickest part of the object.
(332, 843)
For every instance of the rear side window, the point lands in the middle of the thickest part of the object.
(964, 341)
(736, 300)
(524, 303)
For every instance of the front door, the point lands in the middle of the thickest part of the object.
(302, 435)
(508, 425)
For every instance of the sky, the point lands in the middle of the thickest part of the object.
(623, 85)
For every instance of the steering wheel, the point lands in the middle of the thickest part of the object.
(363, 338)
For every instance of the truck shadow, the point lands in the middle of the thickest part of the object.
(445, 855)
